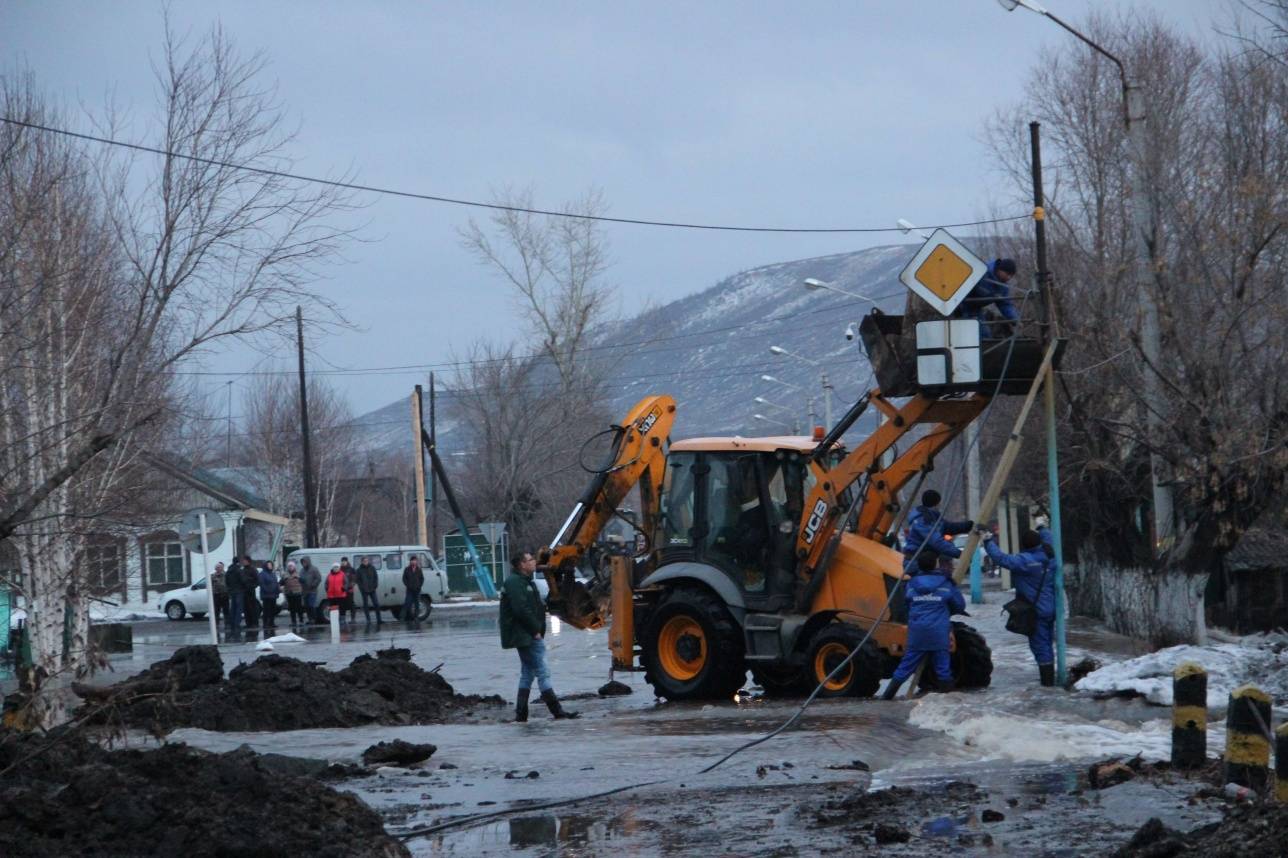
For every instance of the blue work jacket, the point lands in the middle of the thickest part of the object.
(1029, 570)
(927, 526)
(988, 290)
(932, 600)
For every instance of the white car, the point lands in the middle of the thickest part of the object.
(191, 601)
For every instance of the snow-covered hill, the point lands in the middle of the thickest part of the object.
(711, 349)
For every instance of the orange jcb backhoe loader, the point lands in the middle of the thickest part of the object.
(750, 565)
(770, 554)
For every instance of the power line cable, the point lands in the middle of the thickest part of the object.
(393, 192)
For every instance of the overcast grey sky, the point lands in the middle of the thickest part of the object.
(804, 114)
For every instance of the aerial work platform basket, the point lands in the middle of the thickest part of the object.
(896, 356)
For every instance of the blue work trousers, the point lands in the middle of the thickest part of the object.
(1040, 641)
(911, 658)
(532, 659)
(236, 606)
(311, 606)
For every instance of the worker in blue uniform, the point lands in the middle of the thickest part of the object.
(1033, 573)
(927, 528)
(932, 600)
(991, 289)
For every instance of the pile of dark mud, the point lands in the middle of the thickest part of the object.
(279, 693)
(62, 795)
(1248, 829)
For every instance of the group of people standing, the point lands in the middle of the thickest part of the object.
(249, 594)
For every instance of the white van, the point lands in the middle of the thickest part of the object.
(389, 562)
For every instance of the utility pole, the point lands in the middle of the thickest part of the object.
(827, 401)
(1142, 217)
(1150, 337)
(418, 434)
(310, 512)
(1043, 276)
(433, 475)
(228, 460)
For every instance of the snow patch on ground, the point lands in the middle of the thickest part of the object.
(994, 733)
(127, 612)
(1229, 665)
(288, 638)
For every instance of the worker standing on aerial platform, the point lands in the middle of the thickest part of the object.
(991, 289)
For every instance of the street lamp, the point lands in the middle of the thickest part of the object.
(760, 400)
(1141, 216)
(809, 400)
(827, 385)
(812, 283)
(771, 420)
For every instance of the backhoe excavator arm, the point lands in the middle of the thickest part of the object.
(823, 508)
(639, 458)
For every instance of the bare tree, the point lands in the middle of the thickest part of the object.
(1217, 162)
(527, 438)
(118, 271)
(271, 446)
(555, 267)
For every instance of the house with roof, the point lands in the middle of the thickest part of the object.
(1249, 593)
(132, 559)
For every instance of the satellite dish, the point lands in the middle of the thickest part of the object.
(190, 529)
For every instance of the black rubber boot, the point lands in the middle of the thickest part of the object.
(1046, 672)
(944, 686)
(521, 706)
(892, 689)
(552, 702)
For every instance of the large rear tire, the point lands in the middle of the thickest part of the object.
(693, 649)
(860, 678)
(972, 660)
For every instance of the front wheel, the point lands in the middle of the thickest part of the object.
(693, 649)
(424, 608)
(860, 677)
(174, 610)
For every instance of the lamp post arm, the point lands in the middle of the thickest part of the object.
(1122, 70)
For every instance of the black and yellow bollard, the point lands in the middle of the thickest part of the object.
(1247, 741)
(1281, 763)
(1189, 716)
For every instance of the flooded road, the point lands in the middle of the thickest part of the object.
(1015, 740)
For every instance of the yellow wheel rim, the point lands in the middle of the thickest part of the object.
(829, 655)
(682, 648)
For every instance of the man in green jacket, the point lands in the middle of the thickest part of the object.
(523, 628)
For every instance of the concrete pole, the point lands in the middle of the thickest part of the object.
(210, 588)
(1150, 337)
(827, 401)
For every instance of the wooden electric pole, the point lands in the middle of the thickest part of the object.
(418, 431)
(433, 476)
(310, 506)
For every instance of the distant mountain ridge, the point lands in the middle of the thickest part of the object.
(709, 350)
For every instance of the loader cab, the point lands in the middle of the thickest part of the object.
(735, 504)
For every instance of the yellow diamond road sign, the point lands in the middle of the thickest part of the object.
(943, 272)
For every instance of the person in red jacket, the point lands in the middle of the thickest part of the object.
(335, 589)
